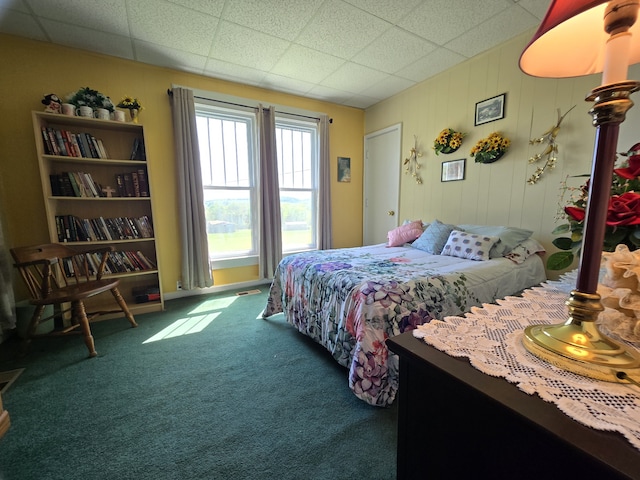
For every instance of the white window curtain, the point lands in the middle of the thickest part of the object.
(270, 218)
(196, 272)
(324, 186)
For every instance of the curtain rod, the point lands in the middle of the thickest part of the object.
(170, 93)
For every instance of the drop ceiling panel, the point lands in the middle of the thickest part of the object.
(351, 52)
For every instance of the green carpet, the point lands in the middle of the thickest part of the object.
(222, 395)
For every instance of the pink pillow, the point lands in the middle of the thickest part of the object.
(405, 233)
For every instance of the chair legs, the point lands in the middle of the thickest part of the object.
(123, 305)
(80, 315)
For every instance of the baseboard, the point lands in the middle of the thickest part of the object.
(216, 289)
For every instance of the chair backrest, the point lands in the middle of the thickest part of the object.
(51, 266)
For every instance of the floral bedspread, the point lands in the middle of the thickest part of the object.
(351, 300)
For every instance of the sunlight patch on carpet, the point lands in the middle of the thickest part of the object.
(7, 378)
(214, 304)
(184, 326)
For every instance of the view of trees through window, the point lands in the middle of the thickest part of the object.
(229, 166)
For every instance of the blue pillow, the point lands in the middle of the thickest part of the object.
(434, 238)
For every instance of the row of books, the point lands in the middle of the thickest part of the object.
(117, 262)
(82, 184)
(133, 184)
(74, 229)
(69, 144)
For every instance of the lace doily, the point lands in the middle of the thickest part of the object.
(491, 338)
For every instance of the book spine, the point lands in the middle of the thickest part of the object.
(144, 183)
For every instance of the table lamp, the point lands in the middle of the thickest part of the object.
(582, 37)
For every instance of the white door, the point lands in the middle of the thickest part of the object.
(382, 166)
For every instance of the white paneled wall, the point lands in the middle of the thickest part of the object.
(498, 193)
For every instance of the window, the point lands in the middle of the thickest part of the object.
(229, 162)
(227, 157)
(297, 166)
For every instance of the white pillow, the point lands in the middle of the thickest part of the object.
(469, 245)
(524, 250)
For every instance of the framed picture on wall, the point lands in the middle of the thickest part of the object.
(344, 169)
(453, 170)
(490, 110)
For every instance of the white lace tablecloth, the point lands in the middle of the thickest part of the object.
(491, 338)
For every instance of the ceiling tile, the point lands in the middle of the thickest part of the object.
(285, 84)
(361, 101)
(242, 46)
(18, 5)
(169, 57)
(280, 18)
(512, 21)
(353, 78)
(306, 64)
(105, 15)
(433, 63)
(393, 50)
(88, 39)
(210, 7)
(239, 73)
(388, 87)
(538, 8)
(341, 29)
(329, 94)
(443, 20)
(389, 10)
(171, 25)
(14, 22)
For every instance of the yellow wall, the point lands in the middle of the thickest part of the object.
(498, 193)
(32, 69)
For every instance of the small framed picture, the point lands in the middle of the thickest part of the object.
(453, 170)
(490, 110)
(344, 169)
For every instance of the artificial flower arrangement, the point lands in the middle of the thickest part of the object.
(87, 97)
(623, 214)
(130, 103)
(490, 149)
(448, 141)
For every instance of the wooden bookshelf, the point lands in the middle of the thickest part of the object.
(116, 150)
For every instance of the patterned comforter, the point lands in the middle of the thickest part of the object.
(351, 300)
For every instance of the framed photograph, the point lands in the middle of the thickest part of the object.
(453, 170)
(344, 169)
(490, 110)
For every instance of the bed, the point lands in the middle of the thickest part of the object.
(351, 300)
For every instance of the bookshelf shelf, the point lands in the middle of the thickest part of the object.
(101, 155)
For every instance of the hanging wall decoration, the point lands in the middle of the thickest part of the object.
(448, 141)
(550, 153)
(490, 149)
(411, 165)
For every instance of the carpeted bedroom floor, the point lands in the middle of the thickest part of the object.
(205, 390)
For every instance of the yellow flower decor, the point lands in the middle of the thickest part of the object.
(130, 103)
(448, 141)
(490, 149)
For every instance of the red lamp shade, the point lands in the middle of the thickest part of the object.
(571, 41)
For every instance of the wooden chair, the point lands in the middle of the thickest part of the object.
(59, 275)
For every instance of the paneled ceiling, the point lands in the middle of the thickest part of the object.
(350, 52)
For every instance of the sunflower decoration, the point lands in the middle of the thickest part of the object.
(448, 141)
(130, 103)
(490, 149)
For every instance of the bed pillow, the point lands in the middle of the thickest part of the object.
(509, 237)
(434, 237)
(404, 233)
(471, 246)
(524, 250)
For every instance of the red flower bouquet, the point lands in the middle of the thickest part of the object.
(623, 214)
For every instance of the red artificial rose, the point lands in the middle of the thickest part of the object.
(623, 210)
(576, 213)
(632, 171)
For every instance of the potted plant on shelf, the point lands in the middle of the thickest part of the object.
(87, 97)
(133, 105)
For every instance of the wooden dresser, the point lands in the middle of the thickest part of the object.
(456, 422)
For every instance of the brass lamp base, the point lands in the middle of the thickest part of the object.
(579, 347)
